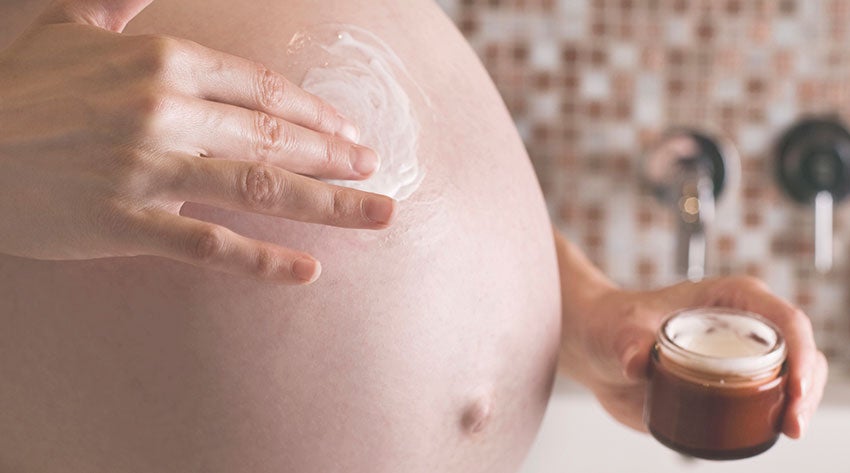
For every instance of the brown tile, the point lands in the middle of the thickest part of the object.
(752, 219)
(705, 31)
(774, 85)
(726, 245)
(646, 268)
(593, 241)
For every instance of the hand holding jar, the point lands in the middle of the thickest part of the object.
(609, 336)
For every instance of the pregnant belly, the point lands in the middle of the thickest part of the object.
(427, 347)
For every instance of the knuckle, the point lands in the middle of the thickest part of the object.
(269, 135)
(160, 54)
(335, 153)
(271, 88)
(738, 287)
(261, 189)
(324, 117)
(265, 265)
(208, 243)
(150, 110)
(338, 208)
(797, 314)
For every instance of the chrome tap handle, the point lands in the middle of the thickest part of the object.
(813, 164)
(823, 231)
(696, 214)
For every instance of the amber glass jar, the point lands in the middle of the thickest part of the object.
(717, 384)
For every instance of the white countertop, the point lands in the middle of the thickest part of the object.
(578, 436)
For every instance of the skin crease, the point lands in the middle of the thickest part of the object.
(429, 346)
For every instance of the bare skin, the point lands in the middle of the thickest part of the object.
(428, 346)
(608, 333)
(146, 108)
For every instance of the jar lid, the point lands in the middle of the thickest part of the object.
(722, 341)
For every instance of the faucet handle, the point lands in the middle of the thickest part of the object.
(688, 171)
(679, 154)
(813, 167)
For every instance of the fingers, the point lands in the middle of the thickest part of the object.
(215, 247)
(806, 365)
(241, 82)
(800, 410)
(265, 189)
(225, 131)
(107, 14)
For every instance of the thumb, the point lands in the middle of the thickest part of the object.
(110, 15)
(637, 335)
(633, 351)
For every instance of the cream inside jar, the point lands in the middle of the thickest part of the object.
(722, 342)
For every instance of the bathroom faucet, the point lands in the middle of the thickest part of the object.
(687, 172)
(813, 166)
(696, 213)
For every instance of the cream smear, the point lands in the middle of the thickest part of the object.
(356, 72)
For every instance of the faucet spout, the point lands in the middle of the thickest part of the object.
(696, 213)
(688, 171)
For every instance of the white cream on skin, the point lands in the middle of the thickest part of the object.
(356, 72)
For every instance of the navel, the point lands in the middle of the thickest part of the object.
(476, 415)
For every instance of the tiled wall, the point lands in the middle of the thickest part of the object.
(593, 84)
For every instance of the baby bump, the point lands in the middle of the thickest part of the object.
(429, 346)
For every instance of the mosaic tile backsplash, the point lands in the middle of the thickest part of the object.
(593, 85)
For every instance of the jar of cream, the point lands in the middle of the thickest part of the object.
(717, 383)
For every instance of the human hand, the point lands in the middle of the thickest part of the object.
(103, 138)
(606, 343)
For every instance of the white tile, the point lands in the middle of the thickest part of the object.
(728, 89)
(544, 106)
(781, 114)
(648, 100)
(623, 55)
(577, 9)
(678, 31)
(752, 246)
(621, 137)
(787, 32)
(779, 276)
(595, 85)
(754, 139)
(545, 55)
(620, 234)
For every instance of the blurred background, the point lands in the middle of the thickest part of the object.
(594, 85)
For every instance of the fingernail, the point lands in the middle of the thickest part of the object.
(801, 424)
(628, 359)
(348, 131)
(364, 161)
(305, 270)
(379, 210)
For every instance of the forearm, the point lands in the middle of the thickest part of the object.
(583, 286)
(581, 281)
